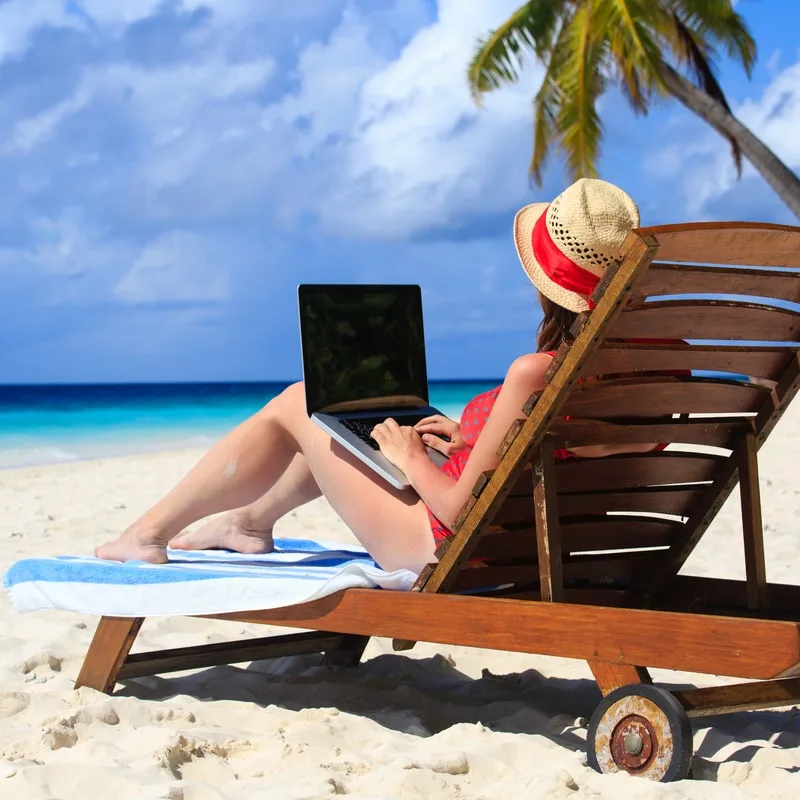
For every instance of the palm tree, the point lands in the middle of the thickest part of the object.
(640, 45)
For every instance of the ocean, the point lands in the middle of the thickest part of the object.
(49, 424)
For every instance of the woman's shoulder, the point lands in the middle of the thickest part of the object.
(530, 367)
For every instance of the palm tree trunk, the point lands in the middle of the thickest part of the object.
(782, 179)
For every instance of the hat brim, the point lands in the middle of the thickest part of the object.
(524, 222)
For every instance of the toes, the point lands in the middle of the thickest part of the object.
(106, 552)
(127, 551)
(184, 541)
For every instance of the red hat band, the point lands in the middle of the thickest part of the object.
(561, 269)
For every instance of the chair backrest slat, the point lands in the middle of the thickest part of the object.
(706, 319)
(712, 431)
(649, 499)
(517, 511)
(671, 279)
(746, 243)
(660, 395)
(635, 470)
(620, 357)
(581, 536)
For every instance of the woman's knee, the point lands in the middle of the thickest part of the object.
(288, 410)
(293, 397)
(295, 394)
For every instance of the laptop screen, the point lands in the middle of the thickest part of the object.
(363, 347)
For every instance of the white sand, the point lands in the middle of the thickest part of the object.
(439, 722)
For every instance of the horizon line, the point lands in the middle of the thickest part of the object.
(253, 381)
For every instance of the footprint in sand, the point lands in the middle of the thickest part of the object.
(12, 703)
(57, 736)
(183, 753)
(42, 659)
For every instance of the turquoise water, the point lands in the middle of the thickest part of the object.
(47, 424)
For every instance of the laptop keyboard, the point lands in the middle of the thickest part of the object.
(362, 427)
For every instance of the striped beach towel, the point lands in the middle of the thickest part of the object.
(202, 582)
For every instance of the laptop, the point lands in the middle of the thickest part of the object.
(364, 361)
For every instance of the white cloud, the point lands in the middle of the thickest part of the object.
(20, 18)
(165, 104)
(64, 245)
(704, 166)
(330, 77)
(119, 12)
(34, 130)
(178, 267)
(163, 101)
(233, 10)
(372, 144)
(775, 117)
(125, 12)
(420, 155)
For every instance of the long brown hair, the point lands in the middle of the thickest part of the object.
(554, 329)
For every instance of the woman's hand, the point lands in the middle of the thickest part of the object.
(398, 443)
(431, 429)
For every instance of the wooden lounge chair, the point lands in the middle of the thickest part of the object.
(544, 562)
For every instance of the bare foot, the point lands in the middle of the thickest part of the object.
(233, 531)
(134, 545)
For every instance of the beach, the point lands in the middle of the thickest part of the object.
(436, 722)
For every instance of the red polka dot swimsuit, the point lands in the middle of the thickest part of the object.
(473, 420)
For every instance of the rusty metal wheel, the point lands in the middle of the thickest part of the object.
(642, 730)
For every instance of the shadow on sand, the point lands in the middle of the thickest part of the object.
(423, 696)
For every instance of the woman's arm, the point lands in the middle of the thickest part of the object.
(444, 496)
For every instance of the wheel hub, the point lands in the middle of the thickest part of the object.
(633, 743)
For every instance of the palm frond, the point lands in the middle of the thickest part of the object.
(581, 80)
(635, 31)
(499, 56)
(545, 110)
(716, 21)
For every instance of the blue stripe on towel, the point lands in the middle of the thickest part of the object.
(187, 565)
(62, 570)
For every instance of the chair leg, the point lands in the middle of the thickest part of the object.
(548, 540)
(752, 526)
(348, 654)
(110, 646)
(611, 676)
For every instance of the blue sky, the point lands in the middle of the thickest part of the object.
(172, 170)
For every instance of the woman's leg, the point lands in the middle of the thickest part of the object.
(392, 524)
(249, 529)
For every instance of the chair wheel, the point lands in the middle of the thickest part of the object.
(642, 730)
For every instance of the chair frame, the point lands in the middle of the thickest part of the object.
(748, 629)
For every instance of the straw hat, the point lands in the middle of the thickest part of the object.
(567, 245)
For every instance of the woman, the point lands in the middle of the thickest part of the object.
(278, 459)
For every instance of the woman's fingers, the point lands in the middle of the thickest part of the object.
(431, 427)
(384, 429)
(440, 445)
(438, 419)
(441, 426)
